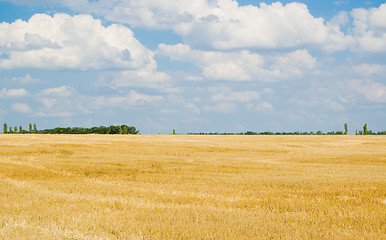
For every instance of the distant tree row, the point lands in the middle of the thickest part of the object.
(118, 129)
(364, 132)
(270, 133)
(20, 129)
(288, 133)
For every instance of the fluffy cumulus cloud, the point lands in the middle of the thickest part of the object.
(65, 102)
(62, 102)
(21, 108)
(63, 91)
(143, 77)
(293, 64)
(370, 28)
(226, 100)
(262, 107)
(235, 66)
(241, 65)
(370, 69)
(229, 26)
(221, 107)
(372, 91)
(225, 94)
(70, 42)
(27, 79)
(13, 93)
(226, 25)
(133, 98)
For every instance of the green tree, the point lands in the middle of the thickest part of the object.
(35, 128)
(345, 129)
(174, 131)
(30, 128)
(125, 129)
(365, 129)
(20, 129)
(5, 129)
(10, 130)
(15, 130)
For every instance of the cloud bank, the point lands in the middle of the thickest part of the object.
(70, 42)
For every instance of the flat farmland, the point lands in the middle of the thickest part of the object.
(192, 187)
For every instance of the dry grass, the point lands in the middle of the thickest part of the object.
(192, 187)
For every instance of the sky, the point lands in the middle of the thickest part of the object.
(194, 65)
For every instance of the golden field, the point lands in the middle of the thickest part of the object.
(192, 187)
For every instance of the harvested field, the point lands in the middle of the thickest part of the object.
(192, 187)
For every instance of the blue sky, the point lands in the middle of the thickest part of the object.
(194, 66)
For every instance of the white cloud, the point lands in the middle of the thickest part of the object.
(266, 106)
(66, 42)
(226, 100)
(62, 102)
(144, 77)
(227, 95)
(233, 66)
(63, 91)
(370, 29)
(341, 19)
(340, 2)
(268, 91)
(377, 17)
(48, 103)
(337, 107)
(293, 64)
(222, 107)
(21, 92)
(323, 99)
(241, 65)
(372, 91)
(133, 98)
(261, 107)
(194, 78)
(21, 108)
(224, 23)
(370, 69)
(152, 14)
(193, 107)
(229, 26)
(55, 114)
(197, 99)
(27, 79)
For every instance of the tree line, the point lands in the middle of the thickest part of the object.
(287, 133)
(32, 129)
(113, 129)
(345, 132)
(124, 129)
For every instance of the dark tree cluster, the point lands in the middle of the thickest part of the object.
(119, 129)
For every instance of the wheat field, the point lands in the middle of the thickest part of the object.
(192, 187)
